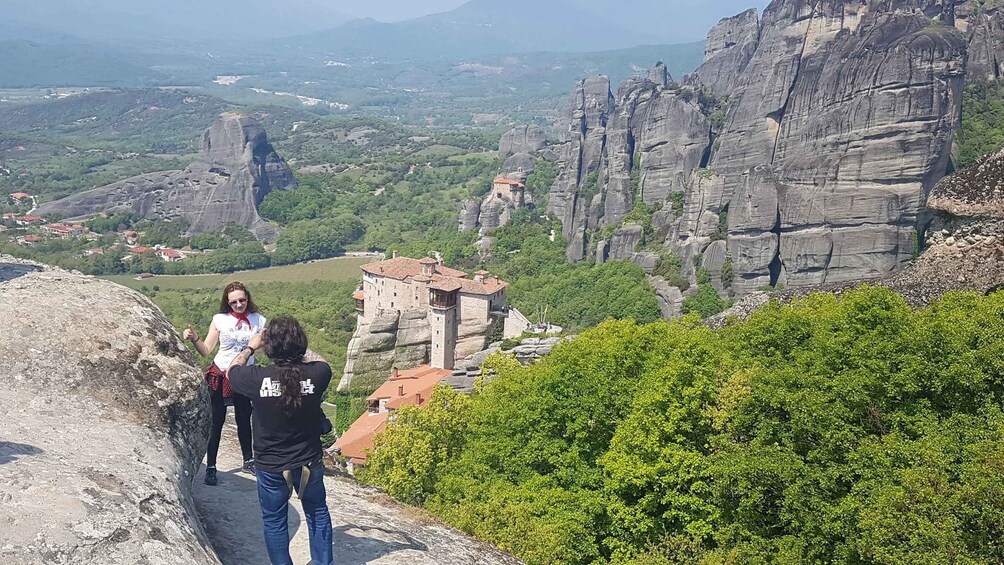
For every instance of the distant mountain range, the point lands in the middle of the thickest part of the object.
(483, 27)
(516, 51)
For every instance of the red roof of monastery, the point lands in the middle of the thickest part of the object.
(410, 387)
(401, 268)
(510, 182)
(358, 439)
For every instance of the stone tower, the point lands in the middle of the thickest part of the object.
(443, 296)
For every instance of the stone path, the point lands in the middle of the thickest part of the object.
(369, 527)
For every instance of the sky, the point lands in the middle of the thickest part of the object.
(673, 20)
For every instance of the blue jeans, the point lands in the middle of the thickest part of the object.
(273, 495)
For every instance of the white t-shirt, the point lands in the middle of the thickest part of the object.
(233, 340)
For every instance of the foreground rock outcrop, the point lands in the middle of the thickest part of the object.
(103, 425)
(236, 168)
(809, 140)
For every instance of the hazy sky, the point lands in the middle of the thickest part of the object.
(221, 20)
(393, 10)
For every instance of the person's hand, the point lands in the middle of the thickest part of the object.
(189, 334)
(257, 340)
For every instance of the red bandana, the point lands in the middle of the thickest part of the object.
(241, 318)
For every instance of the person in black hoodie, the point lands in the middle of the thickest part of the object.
(286, 398)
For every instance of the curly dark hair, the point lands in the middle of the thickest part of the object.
(285, 345)
(225, 302)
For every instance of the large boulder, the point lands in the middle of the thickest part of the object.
(522, 139)
(236, 168)
(470, 211)
(105, 422)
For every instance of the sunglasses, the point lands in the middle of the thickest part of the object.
(238, 301)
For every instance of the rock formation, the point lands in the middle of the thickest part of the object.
(522, 139)
(235, 169)
(810, 139)
(728, 49)
(520, 147)
(983, 24)
(391, 339)
(104, 425)
(963, 245)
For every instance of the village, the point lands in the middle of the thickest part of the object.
(19, 226)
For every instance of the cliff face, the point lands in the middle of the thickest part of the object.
(815, 134)
(963, 248)
(983, 24)
(104, 425)
(235, 169)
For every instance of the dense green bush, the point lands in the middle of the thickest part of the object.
(835, 430)
(982, 131)
(316, 239)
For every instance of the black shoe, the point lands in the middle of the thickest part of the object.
(249, 466)
(210, 476)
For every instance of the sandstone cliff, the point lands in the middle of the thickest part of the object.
(814, 134)
(235, 169)
(104, 425)
(963, 246)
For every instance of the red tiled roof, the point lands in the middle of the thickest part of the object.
(358, 439)
(401, 268)
(468, 286)
(32, 238)
(19, 195)
(446, 284)
(30, 218)
(358, 295)
(138, 250)
(511, 182)
(417, 380)
(170, 253)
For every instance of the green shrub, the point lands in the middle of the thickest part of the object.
(845, 429)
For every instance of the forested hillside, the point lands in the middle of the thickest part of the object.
(844, 429)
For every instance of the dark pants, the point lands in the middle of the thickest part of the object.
(242, 414)
(273, 495)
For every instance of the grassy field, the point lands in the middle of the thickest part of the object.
(336, 269)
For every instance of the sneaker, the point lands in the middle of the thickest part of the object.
(249, 466)
(210, 476)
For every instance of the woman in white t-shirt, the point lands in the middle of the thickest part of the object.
(237, 322)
